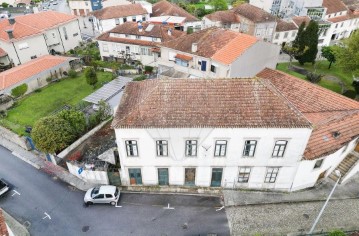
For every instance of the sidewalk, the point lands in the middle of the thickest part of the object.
(34, 158)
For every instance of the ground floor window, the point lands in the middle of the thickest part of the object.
(243, 175)
(135, 176)
(271, 175)
(190, 176)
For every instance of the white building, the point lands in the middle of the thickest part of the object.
(108, 18)
(80, 7)
(135, 42)
(216, 52)
(30, 36)
(285, 32)
(261, 133)
(223, 19)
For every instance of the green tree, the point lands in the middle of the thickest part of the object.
(76, 120)
(104, 110)
(91, 76)
(52, 134)
(293, 51)
(298, 42)
(347, 55)
(309, 37)
(219, 5)
(19, 90)
(328, 53)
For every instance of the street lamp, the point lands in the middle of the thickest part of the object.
(337, 172)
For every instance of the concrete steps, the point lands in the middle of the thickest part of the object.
(345, 166)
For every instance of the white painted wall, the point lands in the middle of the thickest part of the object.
(205, 160)
(263, 4)
(207, 23)
(88, 175)
(284, 36)
(265, 30)
(75, 7)
(111, 3)
(108, 24)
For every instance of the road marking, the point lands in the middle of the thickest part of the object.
(220, 208)
(117, 205)
(168, 207)
(46, 216)
(15, 192)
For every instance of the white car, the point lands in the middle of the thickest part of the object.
(104, 194)
(3, 187)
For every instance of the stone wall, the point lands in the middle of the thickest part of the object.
(7, 135)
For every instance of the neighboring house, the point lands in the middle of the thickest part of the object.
(255, 21)
(4, 59)
(222, 19)
(133, 41)
(260, 133)
(216, 53)
(35, 72)
(30, 36)
(165, 8)
(108, 18)
(83, 7)
(285, 32)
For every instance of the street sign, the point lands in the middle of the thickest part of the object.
(80, 170)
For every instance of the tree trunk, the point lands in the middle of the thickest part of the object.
(330, 64)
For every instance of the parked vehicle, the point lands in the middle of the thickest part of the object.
(103, 194)
(4, 187)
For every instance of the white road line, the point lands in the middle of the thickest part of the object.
(168, 207)
(220, 208)
(46, 216)
(15, 192)
(117, 205)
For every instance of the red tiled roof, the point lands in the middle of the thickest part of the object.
(285, 26)
(22, 72)
(33, 24)
(327, 111)
(3, 228)
(219, 44)
(224, 17)
(339, 18)
(253, 13)
(165, 8)
(227, 103)
(334, 6)
(183, 57)
(119, 11)
(106, 37)
(298, 20)
(2, 53)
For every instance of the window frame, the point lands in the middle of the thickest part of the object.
(131, 147)
(244, 175)
(189, 143)
(220, 146)
(316, 166)
(189, 183)
(279, 153)
(245, 145)
(213, 69)
(161, 145)
(271, 172)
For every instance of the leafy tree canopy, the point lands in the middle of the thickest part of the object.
(91, 76)
(219, 5)
(76, 120)
(347, 55)
(327, 52)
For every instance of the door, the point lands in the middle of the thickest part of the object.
(203, 66)
(162, 176)
(135, 176)
(216, 177)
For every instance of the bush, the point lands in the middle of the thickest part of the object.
(48, 79)
(37, 90)
(336, 233)
(72, 73)
(148, 69)
(72, 51)
(314, 78)
(3, 114)
(5, 5)
(93, 121)
(350, 94)
(140, 78)
(19, 90)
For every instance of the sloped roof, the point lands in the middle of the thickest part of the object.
(352, 4)
(225, 103)
(219, 44)
(328, 112)
(33, 24)
(339, 18)
(24, 71)
(2, 52)
(120, 11)
(334, 6)
(298, 20)
(224, 16)
(165, 8)
(285, 26)
(253, 13)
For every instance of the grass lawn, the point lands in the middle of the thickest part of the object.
(322, 68)
(39, 104)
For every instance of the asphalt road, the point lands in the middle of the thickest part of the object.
(140, 214)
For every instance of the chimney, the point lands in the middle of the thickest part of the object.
(10, 33)
(169, 32)
(11, 21)
(194, 47)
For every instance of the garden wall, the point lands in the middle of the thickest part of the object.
(7, 135)
(88, 175)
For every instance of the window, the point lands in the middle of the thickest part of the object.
(191, 148)
(243, 175)
(105, 47)
(124, 19)
(220, 148)
(134, 18)
(318, 164)
(294, 34)
(162, 148)
(249, 148)
(336, 25)
(342, 24)
(279, 148)
(86, 3)
(33, 57)
(117, 21)
(131, 148)
(277, 36)
(143, 18)
(286, 35)
(138, 36)
(65, 33)
(127, 36)
(100, 196)
(181, 62)
(109, 196)
(213, 68)
(271, 175)
(190, 176)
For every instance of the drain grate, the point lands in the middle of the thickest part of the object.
(27, 224)
(85, 228)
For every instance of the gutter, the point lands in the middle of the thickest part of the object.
(16, 52)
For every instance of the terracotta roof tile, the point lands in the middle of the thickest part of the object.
(165, 8)
(183, 57)
(339, 19)
(2, 53)
(24, 71)
(253, 13)
(285, 26)
(3, 228)
(334, 6)
(106, 37)
(352, 4)
(33, 24)
(205, 103)
(298, 20)
(326, 110)
(224, 17)
(119, 11)
(216, 43)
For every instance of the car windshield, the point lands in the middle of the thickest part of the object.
(94, 191)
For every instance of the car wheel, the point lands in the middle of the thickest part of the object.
(113, 203)
(89, 203)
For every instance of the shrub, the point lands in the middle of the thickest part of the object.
(72, 51)
(140, 78)
(37, 90)
(314, 78)
(72, 73)
(91, 76)
(5, 5)
(336, 233)
(3, 114)
(48, 79)
(350, 94)
(93, 121)
(148, 69)
(76, 119)
(19, 90)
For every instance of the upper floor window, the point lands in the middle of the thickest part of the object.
(124, 19)
(249, 148)
(191, 148)
(271, 175)
(143, 18)
(286, 35)
(117, 21)
(105, 47)
(279, 148)
(243, 175)
(277, 36)
(162, 148)
(181, 62)
(134, 18)
(220, 148)
(318, 164)
(131, 148)
(213, 68)
(65, 33)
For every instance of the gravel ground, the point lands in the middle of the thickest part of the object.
(295, 219)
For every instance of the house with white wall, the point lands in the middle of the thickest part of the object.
(80, 7)
(255, 133)
(216, 53)
(285, 32)
(222, 19)
(135, 42)
(108, 18)
(27, 37)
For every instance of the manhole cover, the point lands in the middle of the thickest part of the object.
(85, 228)
(306, 216)
(27, 224)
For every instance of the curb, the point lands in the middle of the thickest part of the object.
(172, 193)
(26, 160)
